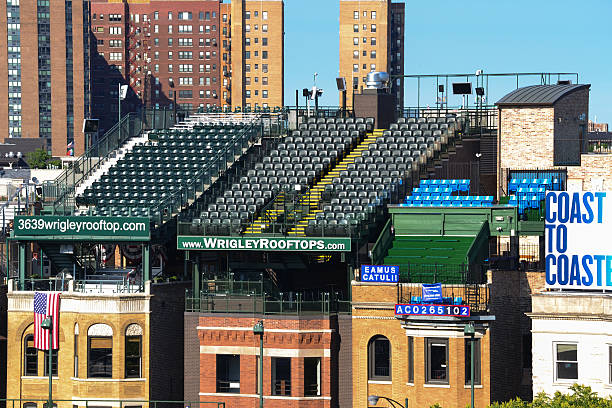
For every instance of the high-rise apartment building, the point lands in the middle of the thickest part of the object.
(200, 53)
(44, 83)
(371, 39)
(257, 53)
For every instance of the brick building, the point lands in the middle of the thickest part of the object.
(199, 53)
(545, 127)
(300, 366)
(45, 83)
(113, 346)
(371, 39)
(598, 127)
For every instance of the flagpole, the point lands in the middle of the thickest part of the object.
(47, 324)
(119, 102)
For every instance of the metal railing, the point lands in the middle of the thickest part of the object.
(285, 304)
(511, 256)
(60, 192)
(82, 285)
(476, 296)
(104, 401)
(598, 146)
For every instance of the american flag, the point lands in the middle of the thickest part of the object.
(46, 304)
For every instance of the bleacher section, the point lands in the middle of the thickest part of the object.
(175, 166)
(363, 184)
(300, 159)
(445, 193)
(530, 193)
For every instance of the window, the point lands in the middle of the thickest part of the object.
(436, 361)
(228, 373)
(247, 80)
(100, 357)
(373, 29)
(379, 358)
(264, 54)
(264, 68)
(372, 54)
(115, 56)
(355, 80)
(185, 68)
(115, 43)
(248, 93)
(247, 41)
(264, 15)
(264, 80)
(365, 53)
(156, 15)
(156, 42)
(224, 18)
(356, 54)
(185, 81)
(468, 361)
(411, 359)
(115, 30)
(355, 40)
(355, 67)
(247, 15)
(185, 55)
(312, 376)
(76, 351)
(156, 28)
(207, 15)
(247, 54)
(170, 68)
(356, 15)
(185, 42)
(186, 93)
(373, 15)
(30, 361)
(281, 376)
(355, 28)
(247, 68)
(133, 352)
(53, 363)
(264, 28)
(185, 28)
(566, 361)
(264, 41)
(247, 28)
(184, 15)
(372, 67)
(114, 17)
(99, 42)
(264, 93)
(169, 15)
(610, 363)
(373, 41)
(170, 29)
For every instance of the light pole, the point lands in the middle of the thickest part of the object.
(258, 329)
(47, 324)
(469, 330)
(373, 400)
(171, 83)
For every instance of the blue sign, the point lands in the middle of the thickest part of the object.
(432, 310)
(432, 292)
(380, 273)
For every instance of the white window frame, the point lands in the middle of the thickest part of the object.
(556, 378)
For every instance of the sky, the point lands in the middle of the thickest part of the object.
(461, 36)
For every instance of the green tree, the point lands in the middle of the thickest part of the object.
(580, 397)
(40, 159)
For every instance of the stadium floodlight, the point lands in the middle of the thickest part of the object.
(480, 91)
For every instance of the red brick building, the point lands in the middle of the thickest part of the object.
(300, 361)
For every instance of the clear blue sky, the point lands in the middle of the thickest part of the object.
(451, 36)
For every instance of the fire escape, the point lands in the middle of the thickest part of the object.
(139, 58)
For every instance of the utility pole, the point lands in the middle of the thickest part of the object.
(258, 329)
(47, 324)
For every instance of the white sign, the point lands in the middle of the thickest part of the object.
(578, 244)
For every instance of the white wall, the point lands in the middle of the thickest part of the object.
(593, 338)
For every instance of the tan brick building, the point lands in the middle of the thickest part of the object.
(423, 362)
(371, 39)
(256, 55)
(120, 346)
(44, 86)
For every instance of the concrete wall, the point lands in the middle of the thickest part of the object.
(584, 319)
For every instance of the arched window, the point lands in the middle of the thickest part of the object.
(100, 351)
(133, 351)
(379, 359)
(30, 357)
